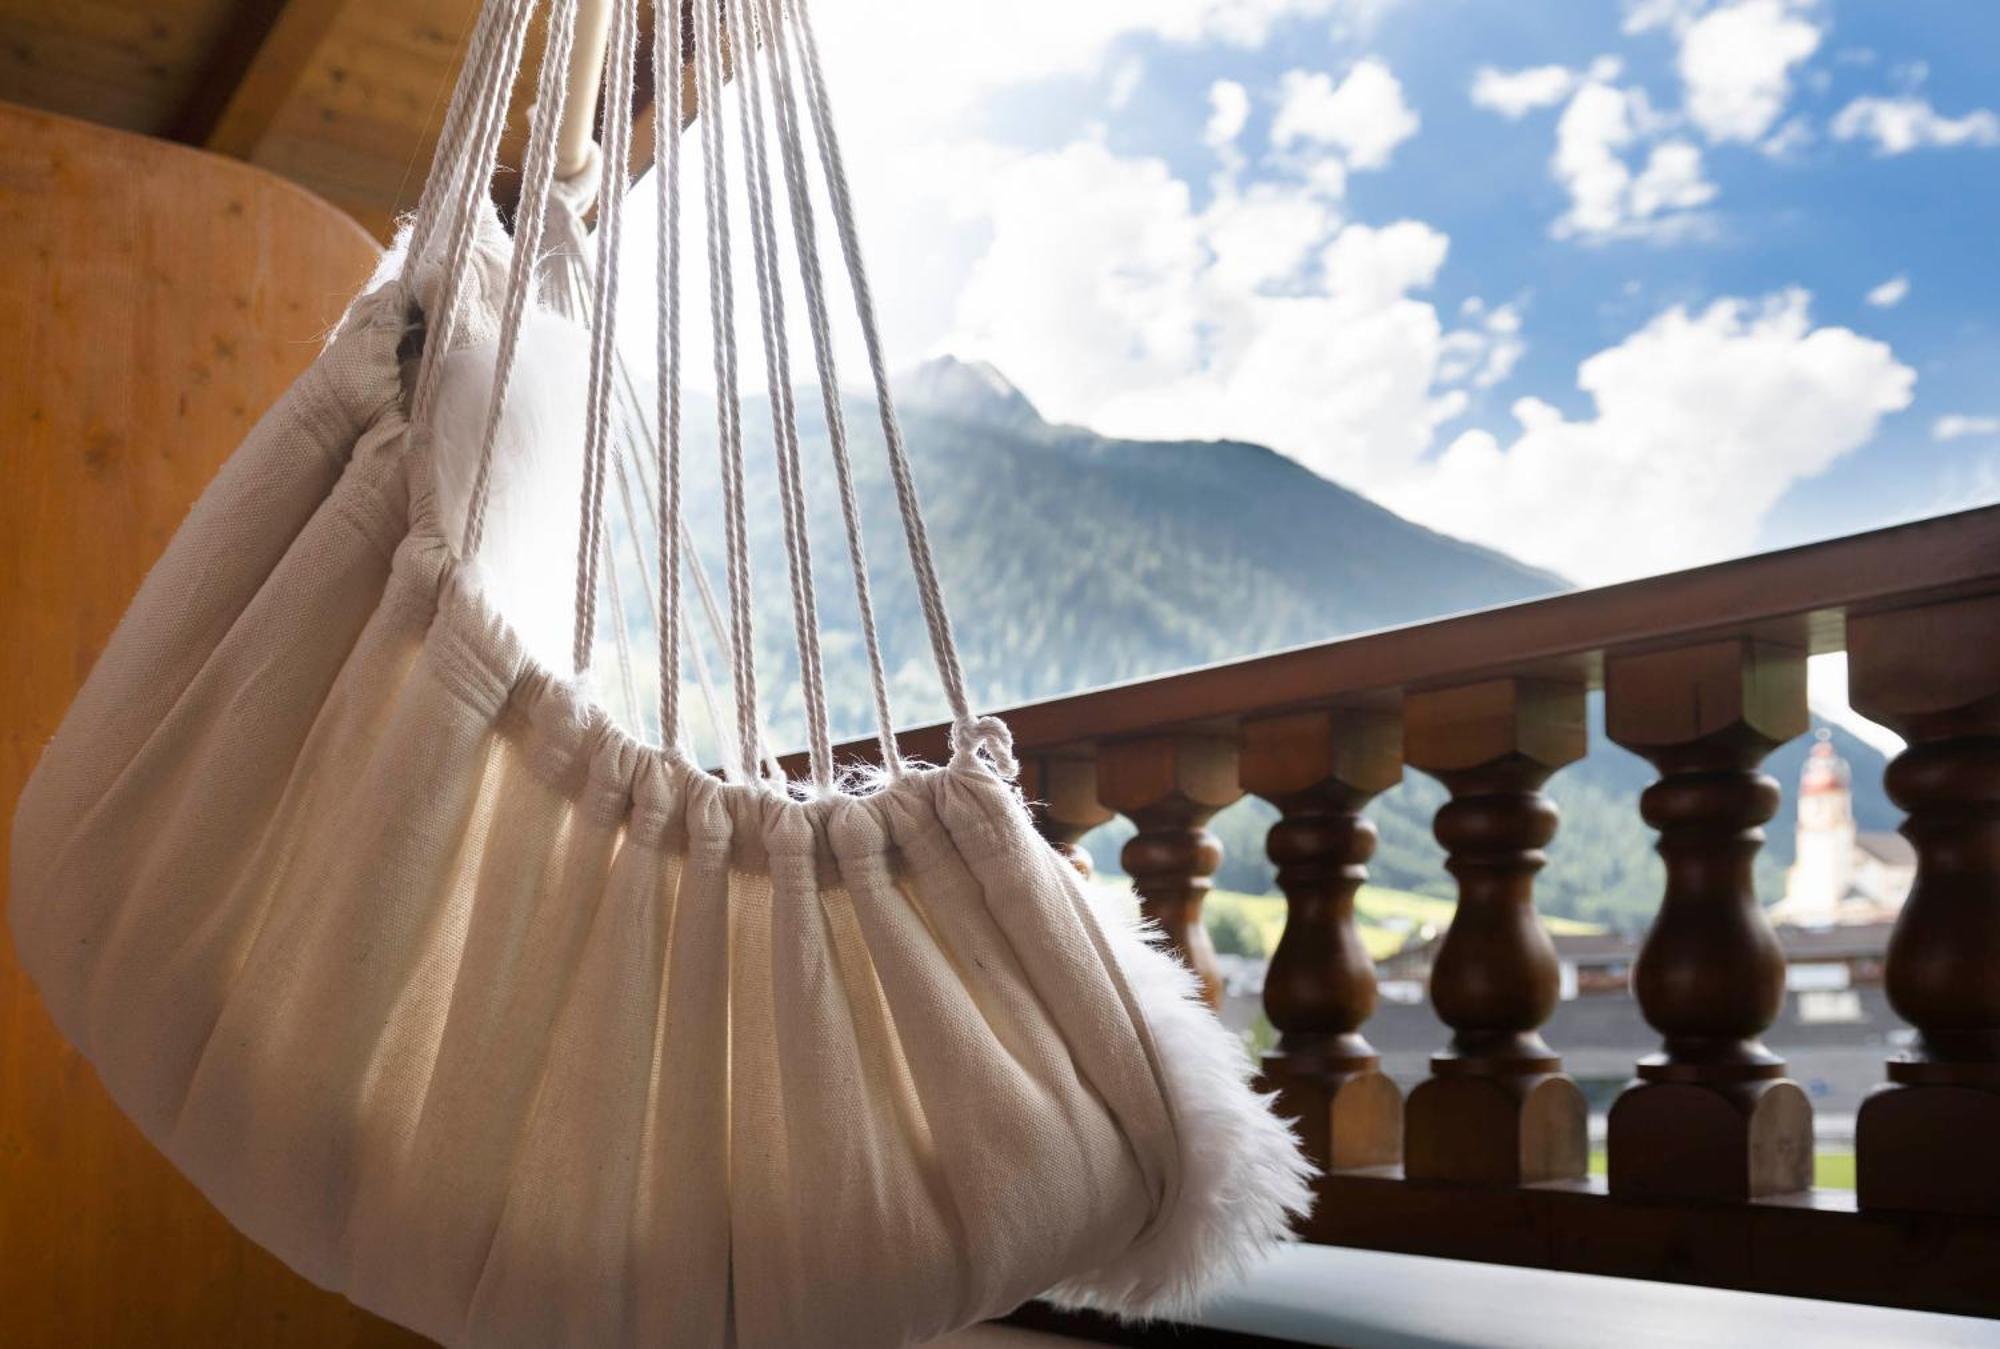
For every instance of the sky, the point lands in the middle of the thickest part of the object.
(1618, 288)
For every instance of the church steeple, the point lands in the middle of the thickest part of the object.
(1823, 873)
(1826, 793)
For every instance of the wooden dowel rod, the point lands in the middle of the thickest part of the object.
(586, 77)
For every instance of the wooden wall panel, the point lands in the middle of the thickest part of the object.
(153, 301)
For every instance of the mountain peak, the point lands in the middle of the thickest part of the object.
(966, 388)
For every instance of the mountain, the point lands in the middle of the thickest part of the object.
(1072, 559)
(968, 390)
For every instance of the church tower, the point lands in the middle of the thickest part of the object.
(1823, 873)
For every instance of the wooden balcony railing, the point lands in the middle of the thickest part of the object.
(1710, 1146)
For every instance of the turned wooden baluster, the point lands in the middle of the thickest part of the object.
(1061, 791)
(1497, 1108)
(1320, 769)
(1930, 1138)
(1712, 1115)
(1170, 786)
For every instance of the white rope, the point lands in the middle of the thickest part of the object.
(711, 701)
(717, 726)
(711, 610)
(784, 420)
(805, 238)
(604, 320)
(452, 197)
(475, 77)
(467, 194)
(970, 734)
(669, 44)
(621, 634)
(705, 592)
(716, 721)
(566, 283)
(633, 531)
(539, 177)
(570, 285)
(708, 71)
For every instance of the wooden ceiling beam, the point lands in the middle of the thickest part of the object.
(639, 151)
(253, 72)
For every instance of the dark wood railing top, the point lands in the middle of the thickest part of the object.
(1797, 596)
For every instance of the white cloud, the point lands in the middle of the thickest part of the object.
(1890, 293)
(1126, 78)
(1369, 269)
(1485, 353)
(1114, 302)
(1364, 117)
(1958, 426)
(1607, 199)
(1245, 23)
(1784, 143)
(1671, 181)
(1052, 219)
(1600, 135)
(1644, 15)
(1515, 93)
(1910, 75)
(889, 56)
(1228, 111)
(1737, 61)
(1137, 315)
(1595, 126)
(1264, 236)
(1899, 125)
(1700, 423)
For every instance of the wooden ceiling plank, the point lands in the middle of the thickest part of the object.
(254, 71)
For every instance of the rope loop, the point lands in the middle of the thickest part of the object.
(974, 737)
(578, 190)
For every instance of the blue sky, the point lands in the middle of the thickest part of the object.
(1835, 217)
(1611, 314)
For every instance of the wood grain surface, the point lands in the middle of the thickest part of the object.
(153, 301)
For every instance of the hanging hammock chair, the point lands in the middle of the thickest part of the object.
(512, 1028)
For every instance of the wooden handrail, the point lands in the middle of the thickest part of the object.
(1798, 596)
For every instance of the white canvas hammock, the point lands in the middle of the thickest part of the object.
(516, 1030)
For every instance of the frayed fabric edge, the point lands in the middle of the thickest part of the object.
(1244, 1180)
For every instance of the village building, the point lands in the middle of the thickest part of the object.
(1841, 876)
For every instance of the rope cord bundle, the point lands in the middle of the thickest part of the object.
(776, 21)
(516, 1030)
